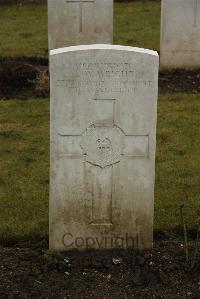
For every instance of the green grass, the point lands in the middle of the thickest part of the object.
(137, 24)
(24, 139)
(24, 28)
(24, 167)
(178, 160)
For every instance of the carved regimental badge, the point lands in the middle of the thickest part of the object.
(101, 145)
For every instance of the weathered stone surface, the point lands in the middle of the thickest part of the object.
(180, 34)
(103, 142)
(80, 22)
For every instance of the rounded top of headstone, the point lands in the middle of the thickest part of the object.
(102, 47)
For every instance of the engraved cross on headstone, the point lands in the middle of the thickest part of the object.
(102, 145)
(80, 2)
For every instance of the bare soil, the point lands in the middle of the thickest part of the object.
(32, 272)
(25, 78)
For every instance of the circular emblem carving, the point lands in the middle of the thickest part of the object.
(102, 145)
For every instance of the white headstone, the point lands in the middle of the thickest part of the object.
(79, 22)
(180, 34)
(103, 142)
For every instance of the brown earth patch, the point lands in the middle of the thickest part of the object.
(25, 78)
(179, 81)
(35, 273)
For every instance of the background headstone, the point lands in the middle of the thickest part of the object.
(103, 142)
(80, 22)
(180, 34)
